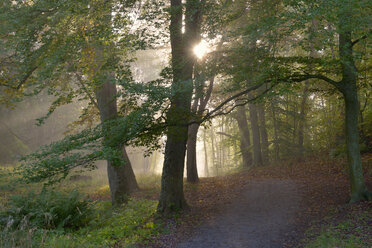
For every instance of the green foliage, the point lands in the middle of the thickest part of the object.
(344, 234)
(126, 225)
(141, 127)
(330, 240)
(123, 227)
(47, 210)
(350, 230)
(338, 152)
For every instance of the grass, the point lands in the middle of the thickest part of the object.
(119, 227)
(349, 227)
(109, 226)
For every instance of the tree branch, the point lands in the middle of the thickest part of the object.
(305, 77)
(242, 103)
(221, 105)
(26, 77)
(227, 135)
(80, 81)
(23, 80)
(359, 39)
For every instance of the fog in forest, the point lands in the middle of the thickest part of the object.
(21, 134)
(185, 123)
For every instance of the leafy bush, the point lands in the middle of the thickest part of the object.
(338, 152)
(47, 210)
(126, 225)
(109, 227)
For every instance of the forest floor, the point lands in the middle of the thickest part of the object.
(283, 205)
(288, 204)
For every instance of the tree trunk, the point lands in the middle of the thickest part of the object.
(257, 156)
(349, 90)
(192, 171)
(276, 136)
(121, 177)
(301, 124)
(363, 136)
(154, 161)
(206, 170)
(245, 143)
(198, 107)
(171, 196)
(214, 159)
(305, 94)
(263, 134)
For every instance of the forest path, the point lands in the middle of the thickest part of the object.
(261, 216)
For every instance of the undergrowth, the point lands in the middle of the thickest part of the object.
(47, 210)
(348, 228)
(120, 227)
(33, 217)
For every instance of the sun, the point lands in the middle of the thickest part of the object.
(201, 49)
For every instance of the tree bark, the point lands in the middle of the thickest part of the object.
(245, 143)
(192, 169)
(263, 134)
(171, 195)
(276, 136)
(349, 90)
(121, 177)
(301, 124)
(206, 170)
(122, 180)
(199, 105)
(214, 155)
(257, 156)
(363, 136)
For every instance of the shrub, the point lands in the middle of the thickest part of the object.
(47, 210)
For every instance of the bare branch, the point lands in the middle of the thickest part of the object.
(208, 115)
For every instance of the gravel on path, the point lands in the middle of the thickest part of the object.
(261, 216)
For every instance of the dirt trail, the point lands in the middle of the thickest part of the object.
(261, 216)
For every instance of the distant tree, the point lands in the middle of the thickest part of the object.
(342, 24)
(74, 50)
(200, 101)
(245, 137)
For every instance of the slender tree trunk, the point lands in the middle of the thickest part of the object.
(154, 161)
(363, 136)
(245, 143)
(263, 134)
(214, 153)
(349, 90)
(301, 124)
(199, 105)
(257, 156)
(221, 145)
(235, 153)
(294, 133)
(276, 136)
(206, 170)
(192, 171)
(218, 148)
(121, 177)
